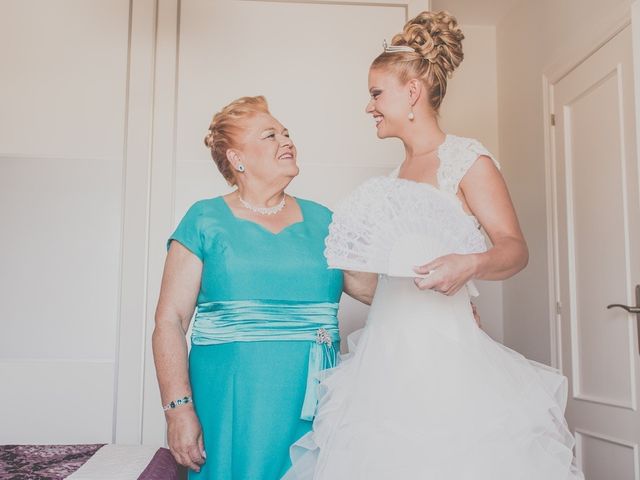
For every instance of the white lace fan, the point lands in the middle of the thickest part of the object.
(389, 225)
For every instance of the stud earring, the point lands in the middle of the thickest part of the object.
(240, 168)
(411, 116)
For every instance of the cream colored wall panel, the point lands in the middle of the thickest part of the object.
(305, 58)
(56, 401)
(59, 252)
(474, 12)
(598, 455)
(470, 107)
(64, 71)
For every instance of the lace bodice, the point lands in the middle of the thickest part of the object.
(457, 155)
(389, 224)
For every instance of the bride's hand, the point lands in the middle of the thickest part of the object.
(447, 274)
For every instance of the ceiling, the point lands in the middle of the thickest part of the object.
(476, 12)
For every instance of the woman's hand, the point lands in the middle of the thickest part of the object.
(185, 437)
(447, 274)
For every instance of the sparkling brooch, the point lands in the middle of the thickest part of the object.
(322, 336)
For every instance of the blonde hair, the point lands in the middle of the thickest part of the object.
(436, 40)
(224, 129)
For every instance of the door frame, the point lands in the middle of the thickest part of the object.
(568, 59)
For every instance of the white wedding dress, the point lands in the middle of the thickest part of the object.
(424, 393)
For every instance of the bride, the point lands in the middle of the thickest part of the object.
(424, 393)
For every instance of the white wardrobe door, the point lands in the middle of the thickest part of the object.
(62, 123)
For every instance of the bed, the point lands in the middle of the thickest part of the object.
(88, 462)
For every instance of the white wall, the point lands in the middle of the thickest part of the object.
(530, 39)
(470, 109)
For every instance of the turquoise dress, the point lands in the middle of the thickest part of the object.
(265, 324)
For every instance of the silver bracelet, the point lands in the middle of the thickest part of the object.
(176, 403)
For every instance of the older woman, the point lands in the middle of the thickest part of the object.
(251, 264)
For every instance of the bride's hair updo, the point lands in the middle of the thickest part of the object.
(436, 40)
(224, 128)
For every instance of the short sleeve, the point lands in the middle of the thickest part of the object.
(188, 232)
(456, 158)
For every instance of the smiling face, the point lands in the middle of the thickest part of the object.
(389, 104)
(265, 149)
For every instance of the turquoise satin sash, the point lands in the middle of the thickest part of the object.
(274, 320)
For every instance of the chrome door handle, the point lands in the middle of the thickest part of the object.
(634, 310)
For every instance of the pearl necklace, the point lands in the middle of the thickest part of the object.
(264, 210)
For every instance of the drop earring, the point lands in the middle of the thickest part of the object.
(411, 116)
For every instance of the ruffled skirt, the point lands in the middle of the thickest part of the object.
(426, 394)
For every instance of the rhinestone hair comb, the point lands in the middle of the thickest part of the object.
(396, 48)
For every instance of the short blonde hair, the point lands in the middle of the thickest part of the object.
(224, 129)
(436, 40)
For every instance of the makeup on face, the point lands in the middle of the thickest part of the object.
(268, 145)
(388, 104)
(272, 133)
(281, 136)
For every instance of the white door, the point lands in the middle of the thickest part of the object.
(310, 59)
(598, 245)
(63, 92)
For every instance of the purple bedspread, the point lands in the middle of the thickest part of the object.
(163, 467)
(43, 462)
